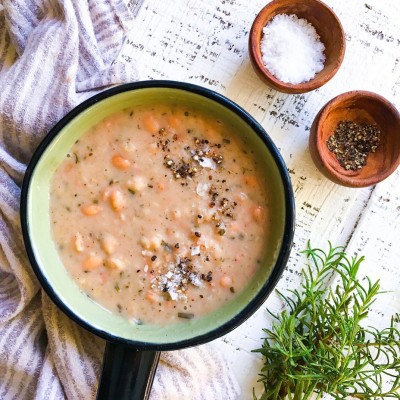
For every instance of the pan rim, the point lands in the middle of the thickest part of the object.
(288, 231)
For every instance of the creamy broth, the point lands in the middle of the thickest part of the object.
(161, 213)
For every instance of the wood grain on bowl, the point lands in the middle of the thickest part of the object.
(363, 108)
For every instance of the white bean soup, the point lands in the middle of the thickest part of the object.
(161, 214)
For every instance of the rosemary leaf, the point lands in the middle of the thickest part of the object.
(318, 346)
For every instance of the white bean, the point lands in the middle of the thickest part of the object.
(109, 243)
(117, 200)
(78, 243)
(115, 263)
(155, 242)
(144, 242)
(136, 184)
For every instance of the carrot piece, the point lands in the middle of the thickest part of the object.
(68, 168)
(226, 281)
(168, 304)
(160, 186)
(91, 209)
(151, 297)
(251, 181)
(150, 123)
(120, 162)
(92, 261)
(212, 134)
(105, 193)
(258, 213)
(174, 121)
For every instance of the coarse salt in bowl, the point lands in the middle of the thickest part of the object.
(291, 49)
(296, 46)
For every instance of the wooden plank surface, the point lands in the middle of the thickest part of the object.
(205, 42)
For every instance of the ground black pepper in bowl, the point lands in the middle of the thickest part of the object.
(352, 143)
(355, 139)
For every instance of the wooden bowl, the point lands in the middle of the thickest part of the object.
(363, 108)
(325, 23)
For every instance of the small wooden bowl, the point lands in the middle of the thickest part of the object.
(364, 108)
(328, 27)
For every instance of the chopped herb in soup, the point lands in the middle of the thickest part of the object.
(160, 213)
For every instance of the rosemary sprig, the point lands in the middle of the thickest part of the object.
(317, 345)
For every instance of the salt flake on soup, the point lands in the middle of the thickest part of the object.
(161, 213)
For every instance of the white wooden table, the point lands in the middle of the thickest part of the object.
(205, 42)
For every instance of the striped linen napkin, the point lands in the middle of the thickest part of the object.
(53, 55)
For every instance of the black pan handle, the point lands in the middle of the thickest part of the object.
(127, 373)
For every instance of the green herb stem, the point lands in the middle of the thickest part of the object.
(318, 344)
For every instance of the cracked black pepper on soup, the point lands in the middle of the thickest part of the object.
(353, 142)
(167, 212)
